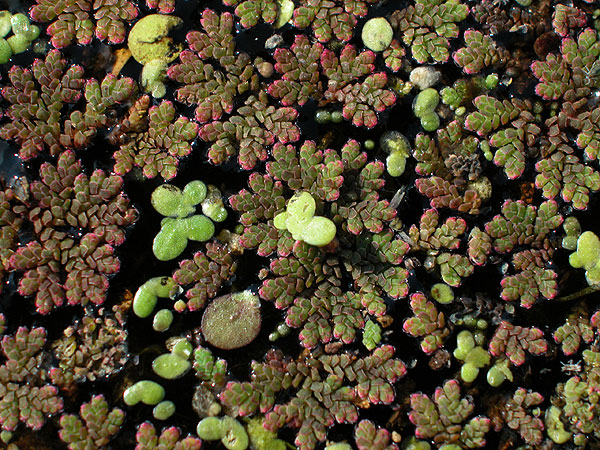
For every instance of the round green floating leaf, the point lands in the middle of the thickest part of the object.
(322, 116)
(164, 410)
(5, 24)
(280, 221)
(450, 447)
(592, 276)
(149, 38)
(210, 429)
(338, 446)
(215, 210)
(575, 261)
(212, 205)
(296, 225)
(442, 293)
(162, 320)
(571, 226)
(198, 228)
(18, 43)
(369, 144)
(34, 33)
(166, 199)
(498, 373)
(569, 242)
(302, 206)
(430, 121)
(465, 341)
(554, 426)
(235, 436)
(319, 231)
(194, 192)
(5, 51)
(153, 76)
(468, 372)
(170, 241)
(337, 117)
(146, 296)
(6, 436)
(285, 12)
(495, 376)
(182, 347)
(170, 366)
(145, 391)
(377, 34)
(144, 302)
(164, 287)
(426, 102)
(152, 393)
(395, 163)
(413, 444)
(232, 320)
(20, 24)
(479, 357)
(588, 249)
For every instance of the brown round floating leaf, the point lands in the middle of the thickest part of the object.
(232, 320)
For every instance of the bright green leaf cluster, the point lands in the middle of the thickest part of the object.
(473, 356)
(554, 426)
(174, 234)
(147, 294)
(424, 109)
(180, 225)
(145, 391)
(150, 45)
(231, 433)
(587, 256)
(260, 438)
(398, 147)
(23, 34)
(442, 293)
(176, 363)
(300, 220)
(170, 201)
(499, 373)
(162, 320)
(163, 410)
(377, 34)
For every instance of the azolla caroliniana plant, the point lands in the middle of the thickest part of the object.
(341, 200)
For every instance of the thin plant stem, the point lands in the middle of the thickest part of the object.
(578, 294)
